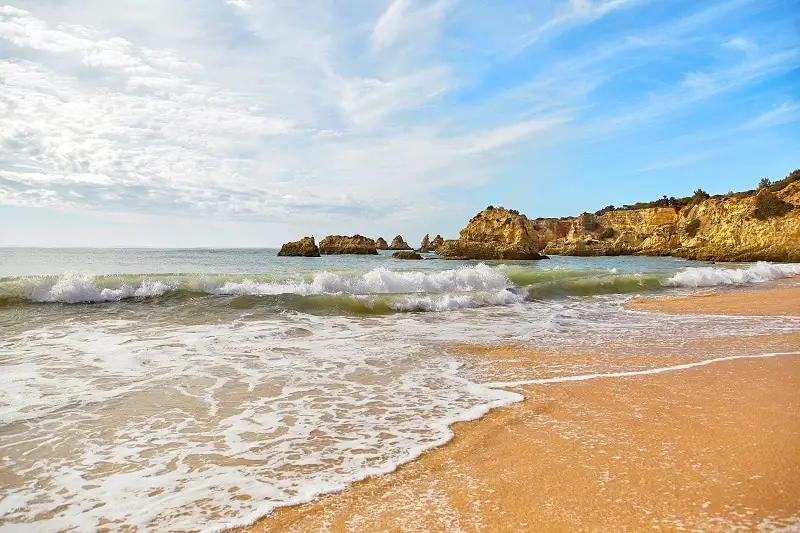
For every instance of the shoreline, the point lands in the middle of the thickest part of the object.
(420, 486)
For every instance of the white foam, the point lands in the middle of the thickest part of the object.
(377, 281)
(83, 288)
(695, 277)
(450, 302)
(649, 371)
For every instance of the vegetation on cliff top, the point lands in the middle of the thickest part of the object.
(700, 195)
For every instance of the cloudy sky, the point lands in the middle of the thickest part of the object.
(251, 122)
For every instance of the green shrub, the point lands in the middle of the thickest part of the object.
(608, 233)
(764, 183)
(780, 185)
(692, 227)
(769, 206)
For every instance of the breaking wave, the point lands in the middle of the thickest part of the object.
(380, 290)
(695, 277)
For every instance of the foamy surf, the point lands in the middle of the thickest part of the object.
(760, 272)
(380, 289)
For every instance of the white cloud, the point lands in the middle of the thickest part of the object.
(95, 120)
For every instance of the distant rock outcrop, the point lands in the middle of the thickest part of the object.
(341, 244)
(381, 244)
(406, 254)
(425, 245)
(436, 243)
(399, 244)
(305, 247)
(494, 233)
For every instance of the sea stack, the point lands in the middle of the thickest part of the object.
(494, 233)
(341, 244)
(305, 247)
(399, 244)
(425, 245)
(381, 244)
(436, 243)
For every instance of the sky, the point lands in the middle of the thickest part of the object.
(232, 123)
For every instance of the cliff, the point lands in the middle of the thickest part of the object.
(436, 242)
(305, 247)
(749, 226)
(341, 244)
(494, 233)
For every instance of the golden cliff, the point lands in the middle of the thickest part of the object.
(749, 226)
(494, 233)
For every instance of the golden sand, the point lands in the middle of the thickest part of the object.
(710, 448)
(766, 302)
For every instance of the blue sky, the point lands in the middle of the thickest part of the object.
(253, 122)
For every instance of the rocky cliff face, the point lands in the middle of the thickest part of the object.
(305, 247)
(341, 244)
(736, 227)
(381, 244)
(494, 233)
(436, 242)
(399, 244)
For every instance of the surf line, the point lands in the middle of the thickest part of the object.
(660, 370)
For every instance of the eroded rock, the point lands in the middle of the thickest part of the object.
(494, 233)
(342, 244)
(406, 254)
(305, 247)
(399, 244)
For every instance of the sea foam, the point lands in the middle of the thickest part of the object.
(714, 276)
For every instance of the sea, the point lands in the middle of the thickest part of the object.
(199, 389)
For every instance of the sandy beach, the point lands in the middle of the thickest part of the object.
(712, 447)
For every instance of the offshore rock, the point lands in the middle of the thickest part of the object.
(341, 244)
(494, 233)
(305, 247)
(436, 242)
(406, 254)
(425, 245)
(399, 244)
(381, 244)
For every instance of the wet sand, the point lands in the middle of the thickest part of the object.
(784, 301)
(710, 448)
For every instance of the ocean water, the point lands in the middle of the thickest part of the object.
(154, 390)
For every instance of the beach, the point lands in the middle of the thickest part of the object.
(710, 447)
(204, 390)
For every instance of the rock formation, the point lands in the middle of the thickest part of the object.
(494, 233)
(425, 245)
(436, 242)
(399, 244)
(341, 244)
(748, 226)
(406, 254)
(305, 247)
(380, 244)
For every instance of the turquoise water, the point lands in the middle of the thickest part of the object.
(154, 390)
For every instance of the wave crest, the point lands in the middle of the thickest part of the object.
(695, 277)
